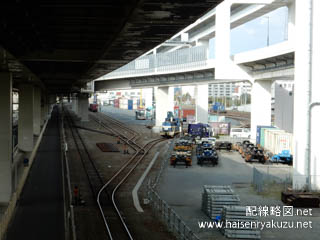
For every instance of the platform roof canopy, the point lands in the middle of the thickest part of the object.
(62, 44)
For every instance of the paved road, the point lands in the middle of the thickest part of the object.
(39, 213)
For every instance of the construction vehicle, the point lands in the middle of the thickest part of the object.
(243, 146)
(182, 153)
(93, 107)
(253, 154)
(206, 153)
(171, 126)
(247, 149)
(144, 114)
(283, 157)
(223, 145)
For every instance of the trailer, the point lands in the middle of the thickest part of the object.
(223, 145)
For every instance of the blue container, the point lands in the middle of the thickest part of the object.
(258, 137)
(130, 104)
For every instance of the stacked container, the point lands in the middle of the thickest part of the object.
(259, 134)
(276, 141)
(116, 103)
(130, 104)
(135, 103)
(123, 103)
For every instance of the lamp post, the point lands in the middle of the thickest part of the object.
(268, 24)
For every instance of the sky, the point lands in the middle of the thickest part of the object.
(253, 34)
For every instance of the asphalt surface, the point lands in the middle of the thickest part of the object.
(39, 213)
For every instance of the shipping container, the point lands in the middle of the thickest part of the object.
(276, 141)
(258, 136)
(135, 106)
(130, 104)
(186, 112)
(220, 128)
(191, 119)
(116, 103)
(262, 134)
(216, 118)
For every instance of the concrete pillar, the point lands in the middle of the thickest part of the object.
(25, 123)
(201, 96)
(44, 112)
(162, 104)
(75, 105)
(260, 105)
(222, 42)
(291, 20)
(79, 109)
(5, 137)
(36, 111)
(306, 91)
(84, 103)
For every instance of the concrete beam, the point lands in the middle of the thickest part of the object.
(5, 137)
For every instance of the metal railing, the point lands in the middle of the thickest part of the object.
(172, 220)
(181, 59)
(163, 211)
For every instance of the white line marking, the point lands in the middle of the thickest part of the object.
(135, 197)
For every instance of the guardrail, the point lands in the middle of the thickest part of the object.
(162, 209)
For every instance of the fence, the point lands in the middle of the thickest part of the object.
(172, 220)
(181, 59)
(271, 178)
(163, 211)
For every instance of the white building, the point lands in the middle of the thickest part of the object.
(241, 88)
(221, 89)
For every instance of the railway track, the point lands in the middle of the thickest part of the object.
(106, 193)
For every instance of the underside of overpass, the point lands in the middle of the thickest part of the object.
(61, 45)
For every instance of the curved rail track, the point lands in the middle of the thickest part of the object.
(105, 193)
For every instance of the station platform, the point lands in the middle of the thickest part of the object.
(40, 210)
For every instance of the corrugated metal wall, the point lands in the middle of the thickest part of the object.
(283, 109)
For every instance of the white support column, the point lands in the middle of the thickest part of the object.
(25, 123)
(201, 96)
(36, 111)
(260, 106)
(5, 137)
(225, 67)
(84, 103)
(306, 91)
(315, 112)
(291, 20)
(162, 104)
